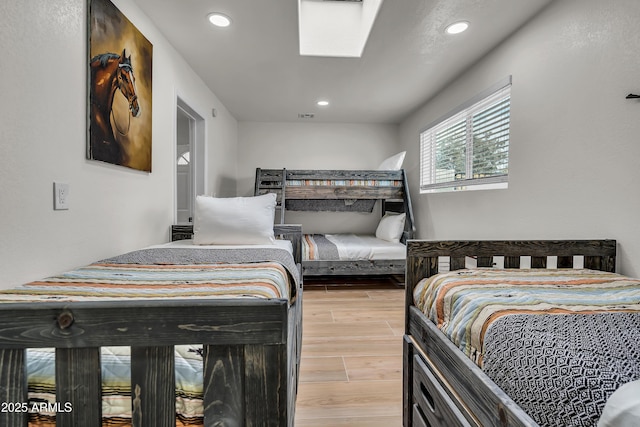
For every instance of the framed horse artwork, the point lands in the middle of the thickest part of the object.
(119, 88)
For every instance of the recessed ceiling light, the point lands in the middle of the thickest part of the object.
(457, 27)
(322, 103)
(219, 19)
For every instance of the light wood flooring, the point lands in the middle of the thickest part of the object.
(351, 367)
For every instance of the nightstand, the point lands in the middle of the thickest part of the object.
(181, 232)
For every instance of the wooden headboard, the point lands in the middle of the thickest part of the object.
(423, 256)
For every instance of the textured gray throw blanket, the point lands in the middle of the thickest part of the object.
(561, 369)
(327, 251)
(195, 255)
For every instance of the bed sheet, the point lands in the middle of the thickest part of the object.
(346, 247)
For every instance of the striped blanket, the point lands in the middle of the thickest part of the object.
(318, 247)
(158, 273)
(170, 273)
(559, 342)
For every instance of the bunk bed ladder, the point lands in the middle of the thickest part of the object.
(410, 224)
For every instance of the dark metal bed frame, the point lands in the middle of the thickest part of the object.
(441, 386)
(393, 199)
(251, 356)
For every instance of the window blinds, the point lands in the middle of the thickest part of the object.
(471, 147)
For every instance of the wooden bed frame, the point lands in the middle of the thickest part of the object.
(393, 199)
(251, 356)
(441, 386)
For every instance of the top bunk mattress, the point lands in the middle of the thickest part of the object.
(558, 342)
(349, 247)
(178, 270)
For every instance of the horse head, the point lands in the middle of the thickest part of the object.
(127, 83)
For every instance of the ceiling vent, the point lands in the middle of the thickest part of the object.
(306, 115)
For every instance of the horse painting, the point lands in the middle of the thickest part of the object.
(110, 72)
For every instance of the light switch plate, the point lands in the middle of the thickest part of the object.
(60, 196)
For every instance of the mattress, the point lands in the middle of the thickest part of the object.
(556, 341)
(178, 271)
(172, 271)
(349, 247)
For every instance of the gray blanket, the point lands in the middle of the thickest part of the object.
(561, 369)
(327, 251)
(195, 255)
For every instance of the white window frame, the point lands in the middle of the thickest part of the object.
(434, 180)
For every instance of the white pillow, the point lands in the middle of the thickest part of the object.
(234, 220)
(622, 409)
(391, 227)
(392, 163)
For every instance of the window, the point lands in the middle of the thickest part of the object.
(469, 148)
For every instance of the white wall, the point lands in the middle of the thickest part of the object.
(43, 138)
(575, 139)
(315, 146)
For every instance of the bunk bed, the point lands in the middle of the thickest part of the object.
(553, 363)
(345, 191)
(233, 313)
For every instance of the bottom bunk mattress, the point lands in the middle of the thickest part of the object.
(173, 271)
(349, 247)
(558, 342)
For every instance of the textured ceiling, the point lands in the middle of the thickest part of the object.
(255, 69)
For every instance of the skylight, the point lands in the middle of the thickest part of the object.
(338, 28)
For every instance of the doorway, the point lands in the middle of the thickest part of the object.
(189, 160)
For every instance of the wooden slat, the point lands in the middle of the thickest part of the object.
(512, 262)
(599, 263)
(127, 323)
(153, 386)
(435, 404)
(417, 268)
(514, 248)
(293, 233)
(538, 262)
(283, 196)
(565, 262)
(78, 383)
(343, 174)
(13, 387)
(265, 381)
(407, 381)
(410, 225)
(457, 263)
(343, 192)
(485, 261)
(353, 268)
(224, 403)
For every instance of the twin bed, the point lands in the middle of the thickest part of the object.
(544, 339)
(347, 191)
(172, 335)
